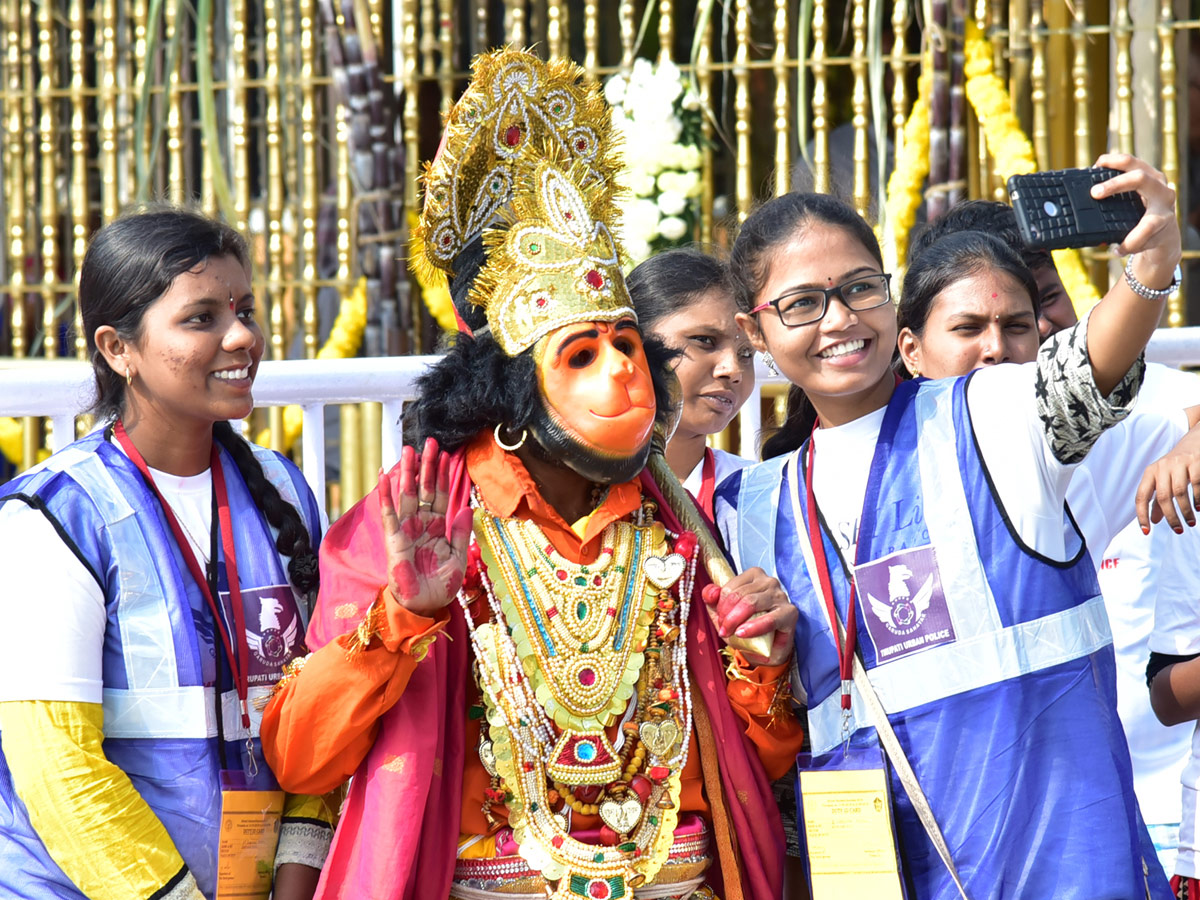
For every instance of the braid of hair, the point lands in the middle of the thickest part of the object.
(293, 539)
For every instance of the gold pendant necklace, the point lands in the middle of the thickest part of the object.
(521, 682)
(579, 629)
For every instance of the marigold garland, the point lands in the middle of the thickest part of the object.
(1012, 151)
(344, 340)
(907, 179)
(987, 94)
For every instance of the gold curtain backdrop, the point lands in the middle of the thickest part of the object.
(305, 122)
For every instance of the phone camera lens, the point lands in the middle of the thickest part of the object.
(1050, 207)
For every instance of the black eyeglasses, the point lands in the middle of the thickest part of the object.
(804, 306)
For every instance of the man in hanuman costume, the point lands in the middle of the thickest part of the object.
(512, 655)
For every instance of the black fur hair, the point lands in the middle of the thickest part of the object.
(476, 386)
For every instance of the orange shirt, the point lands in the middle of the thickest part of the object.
(324, 745)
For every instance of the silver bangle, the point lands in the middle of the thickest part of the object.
(1150, 293)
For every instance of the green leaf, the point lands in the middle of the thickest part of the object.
(803, 110)
(208, 110)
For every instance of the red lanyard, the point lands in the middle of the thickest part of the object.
(708, 483)
(239, 664)
(846, 650)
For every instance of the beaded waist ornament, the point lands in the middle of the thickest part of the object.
(569, 650)
(511, 878)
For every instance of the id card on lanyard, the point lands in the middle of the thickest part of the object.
(845, 794)
(250, 822)
(849, 833)
(250, 816)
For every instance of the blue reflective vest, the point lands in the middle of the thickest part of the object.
(166, 699)
(995, 664)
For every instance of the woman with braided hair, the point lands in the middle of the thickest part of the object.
(172, 565)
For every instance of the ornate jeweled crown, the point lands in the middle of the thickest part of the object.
(557, 261)
(514, 100)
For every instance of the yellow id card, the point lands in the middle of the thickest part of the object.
(249, 836)
(849, 833)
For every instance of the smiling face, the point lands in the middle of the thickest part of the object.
(598, 399)
(842, 361)
(716, 370)
(982, 320)
(197, 352)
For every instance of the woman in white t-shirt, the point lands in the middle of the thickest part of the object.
(1173, 675)
(684, 299)
(969, 302)
(157, 577)
(977, 616)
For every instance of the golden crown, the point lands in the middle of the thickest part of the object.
(514, 100)
(557, 261)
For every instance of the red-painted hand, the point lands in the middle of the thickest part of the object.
(753, 603)
(426, 560)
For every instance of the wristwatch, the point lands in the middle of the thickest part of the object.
(1147, 292)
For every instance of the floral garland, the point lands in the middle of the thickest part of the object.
(435, 292)
(343, 342)
(907, 179)
(659, 122)
(1013, 152)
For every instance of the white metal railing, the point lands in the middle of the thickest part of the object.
(62, 390)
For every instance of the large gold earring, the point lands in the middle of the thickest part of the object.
(128, 376)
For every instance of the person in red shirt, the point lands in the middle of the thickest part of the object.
(512, 655)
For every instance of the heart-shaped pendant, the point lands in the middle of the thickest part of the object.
(660, 738)
(664, 571)
(487, 756)
(621, 816)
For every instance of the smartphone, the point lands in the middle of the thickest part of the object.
(1056, 209)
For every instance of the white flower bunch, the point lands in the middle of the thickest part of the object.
(658, 119)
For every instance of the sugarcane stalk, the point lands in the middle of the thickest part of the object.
(377, 169)
(939, 111)
(957, 163)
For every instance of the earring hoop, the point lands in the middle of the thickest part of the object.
(128, 377)
(769, 362)
(509, 447)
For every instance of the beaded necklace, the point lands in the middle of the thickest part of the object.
(521, 682)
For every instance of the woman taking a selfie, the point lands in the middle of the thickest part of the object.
(158, 573)
(978, 625)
